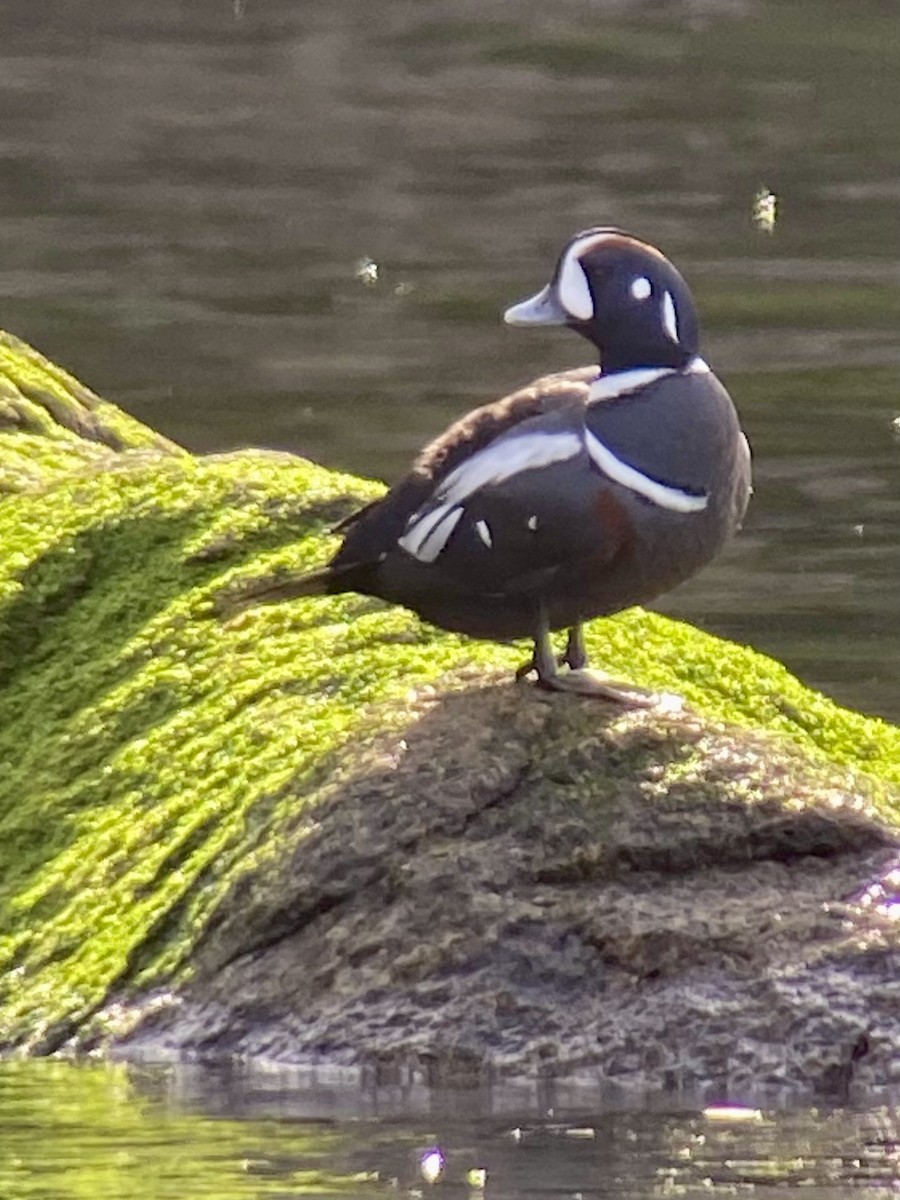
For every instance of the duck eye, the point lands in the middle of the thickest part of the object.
(640, 287)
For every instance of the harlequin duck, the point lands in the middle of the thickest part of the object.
(587, 492)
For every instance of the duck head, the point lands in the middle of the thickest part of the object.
(624, 296)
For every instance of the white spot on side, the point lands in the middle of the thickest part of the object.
(484, 532)
(662, 494)
(640, 287)
(427, 536)
(532, 523)
(504, 457)
(669, 319)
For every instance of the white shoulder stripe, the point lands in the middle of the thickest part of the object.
(662, 494)
(427, 533)
(505, 457)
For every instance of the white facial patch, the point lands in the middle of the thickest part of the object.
(572, 286)
(640, 288)
(573, 291)
(669, 318)
(532, 523)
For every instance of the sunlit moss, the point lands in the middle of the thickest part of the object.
(150, 752)
(51, 425)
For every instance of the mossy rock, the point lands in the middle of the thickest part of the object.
(163, 772)
(52, 425)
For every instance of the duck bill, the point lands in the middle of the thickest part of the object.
(540, 309)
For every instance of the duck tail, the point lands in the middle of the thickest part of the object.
(328, 579)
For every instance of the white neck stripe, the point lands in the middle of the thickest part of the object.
(621, 383)
(608, 387)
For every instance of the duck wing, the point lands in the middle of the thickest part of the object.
(374, 530)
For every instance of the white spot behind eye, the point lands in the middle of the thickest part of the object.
(640, 287)
(670, 320)
(532, 523)
(484, 532)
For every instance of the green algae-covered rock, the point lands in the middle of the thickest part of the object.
(180, 795)
(50, 424)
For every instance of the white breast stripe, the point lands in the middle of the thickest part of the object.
(660, 493)
(428, 532)
(426, 537)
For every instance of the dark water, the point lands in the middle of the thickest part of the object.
(117, 1133)
(187, 191)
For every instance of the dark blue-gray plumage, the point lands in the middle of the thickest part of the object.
(585, 493)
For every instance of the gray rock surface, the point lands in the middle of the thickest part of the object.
(527, 881)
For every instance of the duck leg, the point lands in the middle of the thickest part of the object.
(575, 654)
(577, 679)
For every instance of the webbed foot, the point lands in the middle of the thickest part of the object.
(579, 679)
(585, 682)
